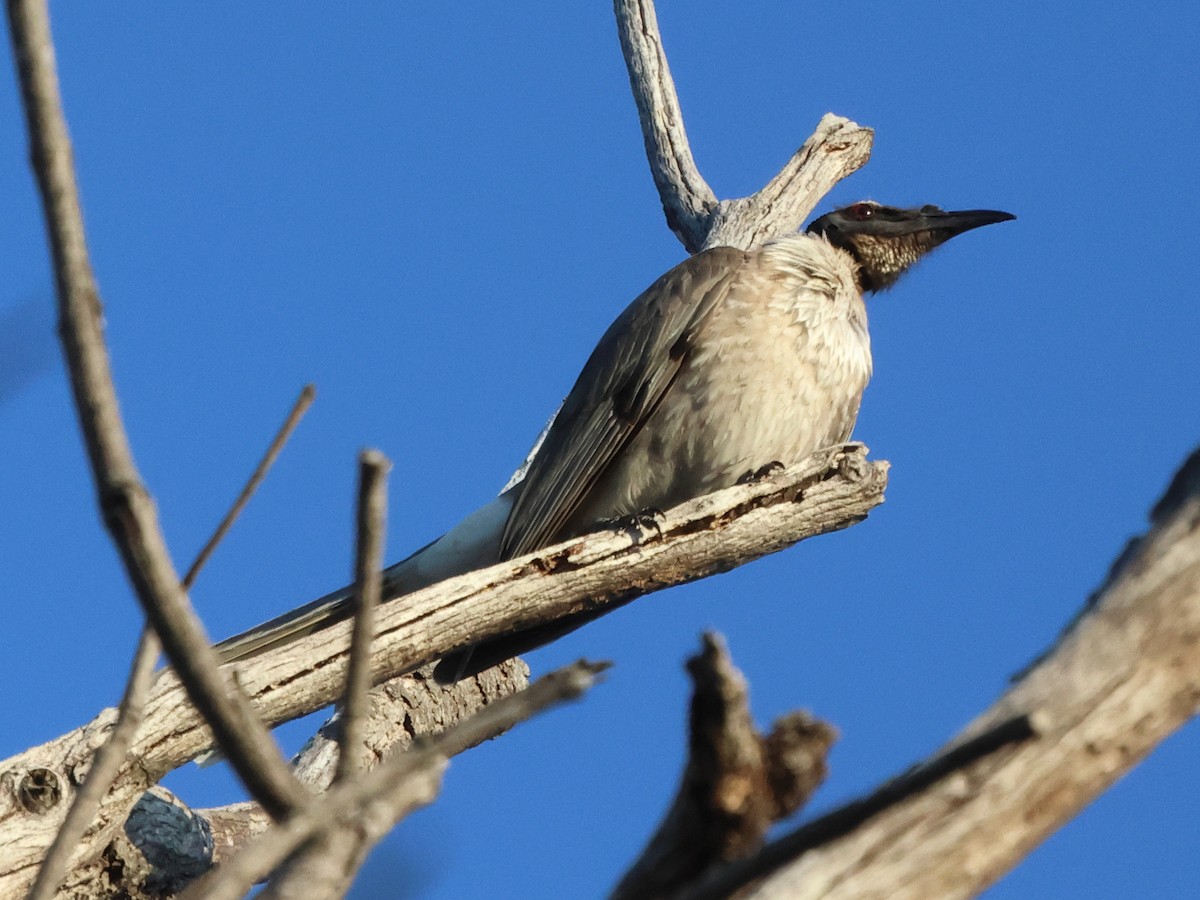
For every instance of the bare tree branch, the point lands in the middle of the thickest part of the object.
(845, 819)
(837, 148)
(111, 756)
(1122, 677)
(299, 408)
(124, 501)
(103, 769)
(131, 512)
(687, 200)
(737, 783)
(162, 846)
(404, 710)
(831, 490)
(372, 510)
(384, 795)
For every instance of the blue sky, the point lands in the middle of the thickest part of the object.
(432, 211)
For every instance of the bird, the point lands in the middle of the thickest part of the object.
(732, 361)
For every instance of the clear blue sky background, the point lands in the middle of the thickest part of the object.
(432, 211)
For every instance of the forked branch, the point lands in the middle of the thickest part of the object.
(836, 149)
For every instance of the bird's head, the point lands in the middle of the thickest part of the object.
(885, 240)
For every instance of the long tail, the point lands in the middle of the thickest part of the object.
(471, 544)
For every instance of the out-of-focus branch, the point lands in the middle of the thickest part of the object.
(124, 501)
(403, 711)
(324, 864)
(737, 783)
(373, 467)
(1122, 677)
(112, 755)
(379, 798)
(299, 408)
(102, 771)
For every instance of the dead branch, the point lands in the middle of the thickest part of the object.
(131, 515)
(124, 501)
(111, 756)
(378, 799)
(829, 491)
(1121, 678)
(836, 149)
(737, 782)
(403, 710)
(103, 770)
(372, 510)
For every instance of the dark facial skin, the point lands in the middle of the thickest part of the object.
(885, 241)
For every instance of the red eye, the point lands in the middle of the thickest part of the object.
(861, 211)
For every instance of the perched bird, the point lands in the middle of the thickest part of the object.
(732, 360)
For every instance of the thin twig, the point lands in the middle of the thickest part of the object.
(388, 783)
(104, 768)
(373, 467)
(727, 881)
(299, 408)
(108, 759)
(124, 501)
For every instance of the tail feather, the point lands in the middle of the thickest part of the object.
(471, 544)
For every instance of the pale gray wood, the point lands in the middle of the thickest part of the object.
(836, 149)
(829, 491)
(688, 201)
(1123, 677)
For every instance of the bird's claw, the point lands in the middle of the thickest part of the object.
(637, 524)
(761, 472)
(852, 467)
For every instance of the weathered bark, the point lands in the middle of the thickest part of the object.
(837, 148)
(829, 491)
(737, 782)
(1123, 676)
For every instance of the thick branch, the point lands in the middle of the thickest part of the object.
(829, 491)
(687, 200)
(1124, 676)
(836, 149)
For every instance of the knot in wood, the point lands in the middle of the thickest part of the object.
(39, 791)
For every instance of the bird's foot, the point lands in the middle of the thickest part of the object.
(762, 472)
(637, 524)
(852, 467)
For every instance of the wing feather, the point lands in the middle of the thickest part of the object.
(624, 380)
